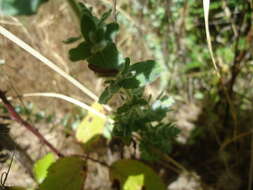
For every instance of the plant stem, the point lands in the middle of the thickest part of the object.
(87, 157)
(15, 116)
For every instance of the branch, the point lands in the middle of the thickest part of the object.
(15, 116)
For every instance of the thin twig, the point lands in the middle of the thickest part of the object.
(86, 157)
(115, 10)
(15, 116)
(242, 135)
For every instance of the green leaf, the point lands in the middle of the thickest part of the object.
(71, 40)
(81, 52)
(65, 174)
(134, 175)
(159, 109)
(143, 73)
(108, 58)
(41, 166)
(84, 9)
(88, 26)
(193, 66)
(19, 7)
(111, 30)
(108, 93)
(98, 36)
(105, 16)
(160, 136)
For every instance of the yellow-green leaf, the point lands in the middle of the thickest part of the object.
(92, 127)
(66, 173)
(134, 175)
(41, 166)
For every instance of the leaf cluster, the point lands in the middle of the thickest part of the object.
(136, 115)
(98, 48)
(139, 116)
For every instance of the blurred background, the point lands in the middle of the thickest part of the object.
(213, 109)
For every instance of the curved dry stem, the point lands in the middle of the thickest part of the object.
(236, 138)
(206, 4)
(69, 99)
(49, 63)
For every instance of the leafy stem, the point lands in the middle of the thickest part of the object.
(136, 114)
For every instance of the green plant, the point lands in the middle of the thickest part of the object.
(139, 118)
(139, 126)
(137, 114)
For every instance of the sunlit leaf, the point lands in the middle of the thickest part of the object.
(143, 74)
(66, 173)
(160, 108)
(19, 7)
(134, 175)
(41, 166)
(111, 30)
(92, 127)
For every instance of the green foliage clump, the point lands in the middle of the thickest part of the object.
(137, 115)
